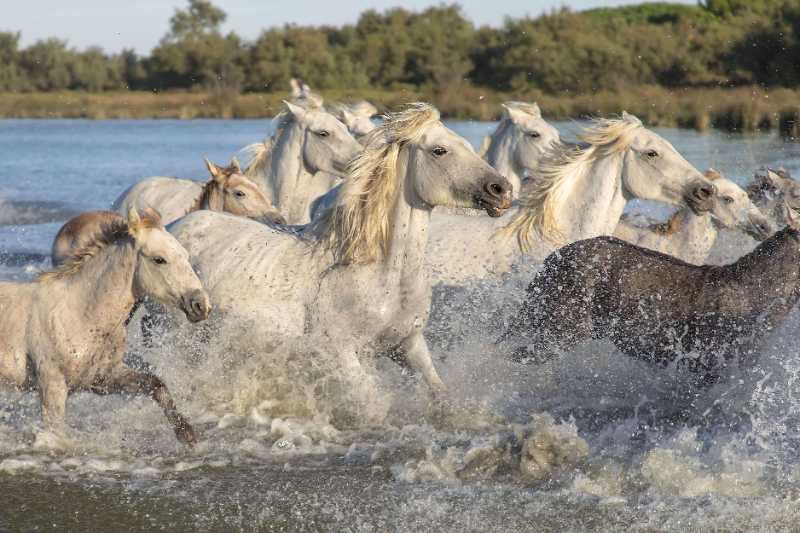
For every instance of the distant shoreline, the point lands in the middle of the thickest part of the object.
(743, 109)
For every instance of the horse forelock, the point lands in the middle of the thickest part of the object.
(356, 228)
(558, 171)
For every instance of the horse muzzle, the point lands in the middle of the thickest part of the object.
(700, 197)
(495, 197)
(195, 305)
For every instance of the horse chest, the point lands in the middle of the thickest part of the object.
(94, 353)
(372, 304)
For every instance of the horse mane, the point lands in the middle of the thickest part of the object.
(543, 200)
(257, 154)
(357, 227)
(109, 233)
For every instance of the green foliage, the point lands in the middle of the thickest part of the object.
(714, 43)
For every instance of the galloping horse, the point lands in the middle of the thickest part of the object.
(579, 192)
(657, 308)
(689, 236)
(65, 332)
(354, 280)
(307, 142)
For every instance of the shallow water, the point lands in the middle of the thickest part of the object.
(593, 441)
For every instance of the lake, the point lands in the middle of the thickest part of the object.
(659, 456)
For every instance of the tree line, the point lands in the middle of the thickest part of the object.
(715, 43)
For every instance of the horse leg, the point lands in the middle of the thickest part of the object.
(127, 381)
(554, 318)
(53, 395)
(414, 351)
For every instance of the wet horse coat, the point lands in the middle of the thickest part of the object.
(657, 308)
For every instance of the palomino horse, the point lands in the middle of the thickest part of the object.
(306, 142)
(354, 280)
(520, 141)
(65, 331)
(580, 192)
(689, 236)
(658, 308)
(228, 190)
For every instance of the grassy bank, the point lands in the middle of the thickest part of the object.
(743, 109)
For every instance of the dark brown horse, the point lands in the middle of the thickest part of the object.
(657, 308)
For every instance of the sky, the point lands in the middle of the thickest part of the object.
(139, 24)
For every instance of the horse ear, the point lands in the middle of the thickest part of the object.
(515, 115)
(213, 169)
(792, 216)
(712, 174)
(236, 166)
(347, 117)
(134, 221)
(295, 88)
(627, 117)
(297, 111)
(535, 111)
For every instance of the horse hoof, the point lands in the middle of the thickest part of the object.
(186, 435)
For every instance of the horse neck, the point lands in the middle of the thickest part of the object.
(500, 154)
(410, 218)
(594, 201)
(104, 286)
(696, 235)
(288, 179)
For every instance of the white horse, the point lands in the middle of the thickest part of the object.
(65, 332)
(771, 189)
(690, 236)
(228, 190)
(306, 142)
(357, 117)
(580, 192)
(354, 280)
(301, 94)
(520, 142)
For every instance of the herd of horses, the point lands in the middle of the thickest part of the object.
(336, 229)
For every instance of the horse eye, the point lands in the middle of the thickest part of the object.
(534, 134)
(323, 133)
(727, 199)
(159, 260)
(239, 194)
(439, 151)
(652, 154)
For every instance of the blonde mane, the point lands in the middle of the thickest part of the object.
(544, 199)
(357, 227)
(108, 234)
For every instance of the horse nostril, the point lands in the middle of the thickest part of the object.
(495, 189)
(704, 192)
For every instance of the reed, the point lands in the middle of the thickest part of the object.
(742, 109)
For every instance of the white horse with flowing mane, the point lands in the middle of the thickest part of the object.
(580, 192)
(520, 142)
(307, 142)
(228, 190)
(689, 236)
(65, 332)
(354, 280)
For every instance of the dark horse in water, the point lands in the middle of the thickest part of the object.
(657, 308)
